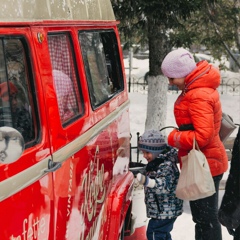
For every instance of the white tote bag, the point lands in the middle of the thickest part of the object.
(195, 179)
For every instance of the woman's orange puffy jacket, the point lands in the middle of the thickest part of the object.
(199, 105)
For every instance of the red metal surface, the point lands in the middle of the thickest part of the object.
(27, 212)
(77, 200)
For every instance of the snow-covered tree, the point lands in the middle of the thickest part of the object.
(154, 22)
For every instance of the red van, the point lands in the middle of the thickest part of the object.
(64, 118)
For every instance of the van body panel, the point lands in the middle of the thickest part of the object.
(30, 175)
(72, 180)
(119, 204)
(25, 207)
(16, 183)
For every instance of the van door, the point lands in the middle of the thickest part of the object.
(67, 116)
(88, 122)
(26, 196)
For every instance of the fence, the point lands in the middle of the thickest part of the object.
(229, 85)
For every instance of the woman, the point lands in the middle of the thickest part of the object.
(198, 113)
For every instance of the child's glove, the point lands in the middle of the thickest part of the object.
(145, 180)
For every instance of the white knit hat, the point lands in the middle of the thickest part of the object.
(152, 141)
(178, 64)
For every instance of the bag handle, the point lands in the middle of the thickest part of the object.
(167, 127)
(195, 144)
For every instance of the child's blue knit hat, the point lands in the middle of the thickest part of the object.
(152, 141)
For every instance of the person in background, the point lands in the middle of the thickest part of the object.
(162, 205)
(65, 95)
(198, 114)
(12, 114)
(6, 95)
(229, 211)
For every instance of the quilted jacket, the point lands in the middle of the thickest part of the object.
(199, 105)
(161, 201)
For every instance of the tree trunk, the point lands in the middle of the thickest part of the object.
(156, 102)
(157, 83)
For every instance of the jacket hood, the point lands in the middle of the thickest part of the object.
(205, 75)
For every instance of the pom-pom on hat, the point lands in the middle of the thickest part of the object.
(178, 64)
(152, 141)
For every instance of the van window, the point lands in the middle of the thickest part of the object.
(16, 109)
(64, 77)
(102, 64)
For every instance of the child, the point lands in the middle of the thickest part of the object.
(160, 182)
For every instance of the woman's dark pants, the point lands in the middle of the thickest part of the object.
(205, 215)
(237, 234)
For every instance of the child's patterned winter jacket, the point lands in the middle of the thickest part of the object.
(161, 202)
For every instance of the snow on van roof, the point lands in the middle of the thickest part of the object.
(38, 10)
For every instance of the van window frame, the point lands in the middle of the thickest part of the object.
(77, 85)
(113, 62)
(31, 87)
